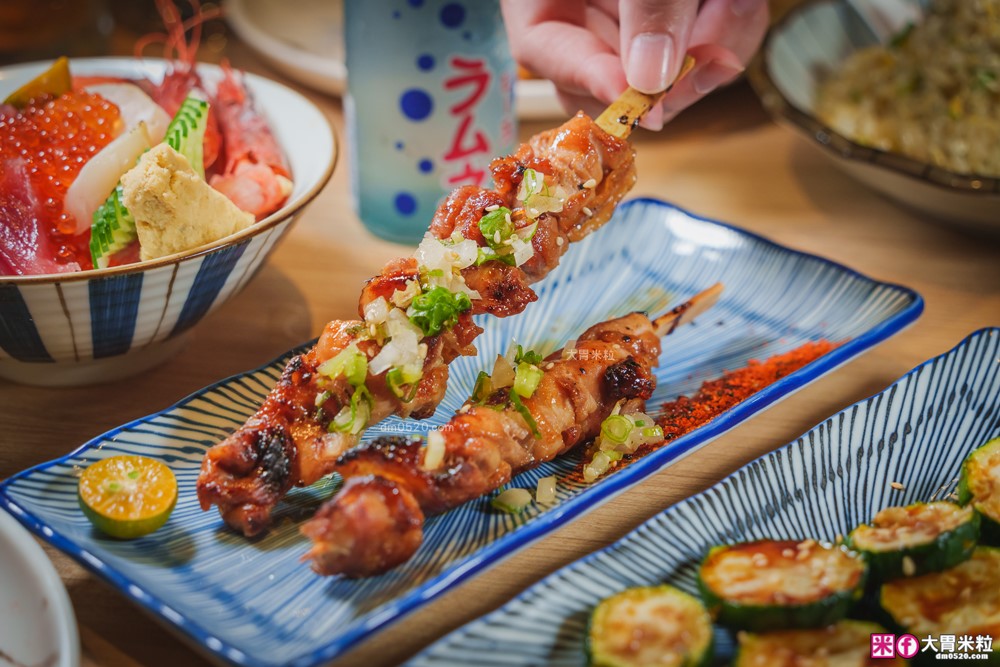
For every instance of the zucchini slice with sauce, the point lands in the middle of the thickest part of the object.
(781, 584)
(844, 644)
(980, 486)
(655, 625)
(962, 601)
(916, 539)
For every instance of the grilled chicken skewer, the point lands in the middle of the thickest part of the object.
(483, 250)
(375, 522)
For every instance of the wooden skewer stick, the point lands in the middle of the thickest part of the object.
(665, 324)
(623, 115)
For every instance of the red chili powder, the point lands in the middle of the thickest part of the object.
(716, 396)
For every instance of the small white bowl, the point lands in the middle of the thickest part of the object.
(813, 39)
(39, 627)
(101, 325)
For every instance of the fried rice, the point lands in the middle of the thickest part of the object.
(932, 94)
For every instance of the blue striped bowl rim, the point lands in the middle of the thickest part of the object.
(906, 306)
(778, 495)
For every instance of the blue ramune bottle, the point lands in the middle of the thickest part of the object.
(430, 102)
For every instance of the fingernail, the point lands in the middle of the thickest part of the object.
(745, 7)
(649, 65)
(713, 74)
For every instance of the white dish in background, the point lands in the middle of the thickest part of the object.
(38, 625)
(812, 39)
(307, 45)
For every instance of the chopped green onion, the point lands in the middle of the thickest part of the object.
(613, 454)
(616, 429)
(438, 309)
(489, 254)
(483, 388)
(545, 492)
(512, 501)
(532, 183)
(652, 432)
(527, 356)
(354, 418)
(526, 379)
(496, 227)
(537, 196)
(515, 400)
(397, 380)
(322, 398)
(350, 362)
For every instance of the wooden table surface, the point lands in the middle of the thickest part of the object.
(722, 158)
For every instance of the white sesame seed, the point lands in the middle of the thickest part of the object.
(898, 486)
(909, 567)
(533, 212)
(507, 218)
(492, 207)
(465, 408)
(590, 184)
(560, 241)
(496, 236)
(587, 211)
(549, 366)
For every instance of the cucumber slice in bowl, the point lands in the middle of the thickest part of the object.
(845, 644)
(979, 486)
(655, 625)
(916, 539)
(781, 584)
(962, 601)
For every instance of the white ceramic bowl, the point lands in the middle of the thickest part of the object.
(38, 624)
(101, 325)
(814, 38)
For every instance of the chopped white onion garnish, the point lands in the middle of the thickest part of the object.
(503, 373)
(532, 183)
(523, 251)
(597, 467)
(404, 297)
(465, 252)
(632, 430)
(403, 347)
(434, 453)
(512, 501)
(538, 204)
(545, 492)
(377, 310)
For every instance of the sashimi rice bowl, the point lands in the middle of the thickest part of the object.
(136, 196)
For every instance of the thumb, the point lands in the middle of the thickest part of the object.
(654, 37)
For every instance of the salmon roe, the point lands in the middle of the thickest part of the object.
(55, 138)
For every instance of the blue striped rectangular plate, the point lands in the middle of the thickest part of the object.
(839, 474)
(254, 602)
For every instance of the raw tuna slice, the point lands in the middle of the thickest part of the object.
(24, 246)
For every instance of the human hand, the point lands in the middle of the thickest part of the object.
(593, 49)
